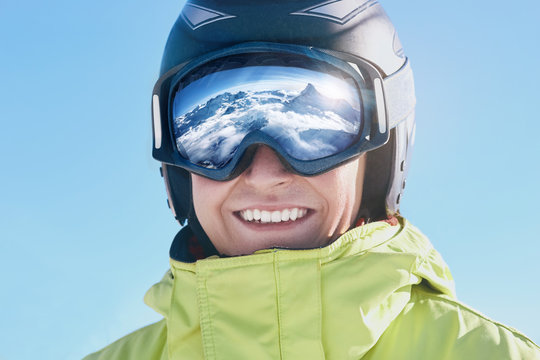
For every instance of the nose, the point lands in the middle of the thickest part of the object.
(266, 170)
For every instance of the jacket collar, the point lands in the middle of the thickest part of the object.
(334, 301)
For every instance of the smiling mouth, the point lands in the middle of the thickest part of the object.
(276, 216)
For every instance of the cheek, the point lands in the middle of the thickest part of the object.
(201, 189)
(342, 194)
(209, 197)
(342, 199)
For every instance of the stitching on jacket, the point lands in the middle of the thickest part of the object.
(171, 301)
(277, 278)
(206, 322)
(319, 304)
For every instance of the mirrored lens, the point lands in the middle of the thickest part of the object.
(311, 114)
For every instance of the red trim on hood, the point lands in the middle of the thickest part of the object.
(392, 220)
(195, 248)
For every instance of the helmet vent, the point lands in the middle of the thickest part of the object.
(196, 16)
(341, 11)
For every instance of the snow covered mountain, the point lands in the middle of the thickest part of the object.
(307, 124)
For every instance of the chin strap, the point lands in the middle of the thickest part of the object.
(201, 241)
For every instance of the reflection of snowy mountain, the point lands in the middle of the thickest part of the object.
(310, 100)
(307, 124)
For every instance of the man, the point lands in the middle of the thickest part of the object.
(285, 131)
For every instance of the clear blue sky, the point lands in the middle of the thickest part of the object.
(84, 227)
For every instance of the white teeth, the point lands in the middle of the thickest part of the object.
(265, 216)
(256, 214)
(294, 214)
(276, 216)
(285, 215)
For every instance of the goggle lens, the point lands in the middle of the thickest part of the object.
(311, 110)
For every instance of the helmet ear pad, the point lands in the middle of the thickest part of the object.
(178, 184)
(386, 173)
(180, 199)
(377, 177)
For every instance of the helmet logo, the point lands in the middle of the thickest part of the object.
(196, 16)
(340, 11)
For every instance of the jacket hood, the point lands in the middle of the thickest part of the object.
(299, 302)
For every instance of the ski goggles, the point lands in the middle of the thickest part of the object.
(315, 108)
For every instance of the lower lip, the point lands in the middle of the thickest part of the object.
(272, 226)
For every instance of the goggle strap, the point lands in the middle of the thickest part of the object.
(399, 95)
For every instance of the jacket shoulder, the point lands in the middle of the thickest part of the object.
(436, 326)
(148, 343)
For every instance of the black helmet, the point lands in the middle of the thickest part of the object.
(344, 27)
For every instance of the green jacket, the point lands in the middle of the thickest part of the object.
(378, 292)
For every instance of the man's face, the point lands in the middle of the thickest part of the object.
(267, 206)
